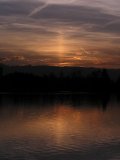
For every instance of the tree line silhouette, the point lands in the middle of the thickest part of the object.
(97, 81)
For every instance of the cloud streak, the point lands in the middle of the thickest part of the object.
(46, 4)
(38, 9)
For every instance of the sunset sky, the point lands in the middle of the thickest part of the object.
(60, 32)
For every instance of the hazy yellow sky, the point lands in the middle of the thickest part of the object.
(60, 33)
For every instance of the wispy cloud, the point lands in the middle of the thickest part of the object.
(47, 3)
(38, 9)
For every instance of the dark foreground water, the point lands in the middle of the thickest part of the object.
(59, 127)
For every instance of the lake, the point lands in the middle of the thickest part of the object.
(59, 127)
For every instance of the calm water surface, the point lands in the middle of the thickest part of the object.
(59, 127)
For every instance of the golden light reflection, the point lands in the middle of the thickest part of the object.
(61, 124)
